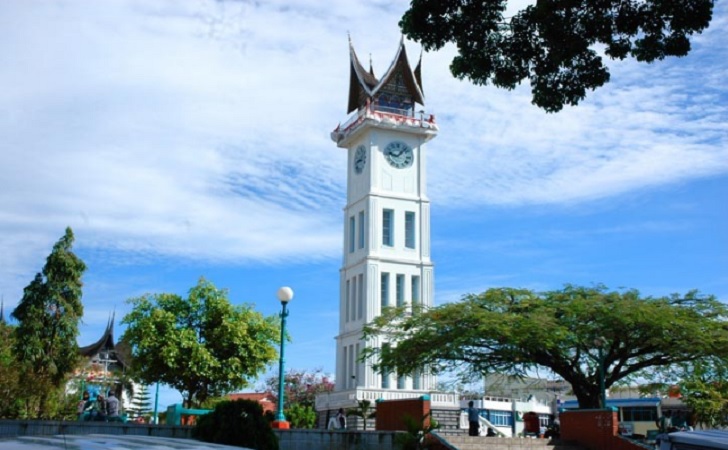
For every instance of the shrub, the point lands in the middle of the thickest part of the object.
(238, 422)
(301, 416)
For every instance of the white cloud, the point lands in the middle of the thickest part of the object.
(200, 129)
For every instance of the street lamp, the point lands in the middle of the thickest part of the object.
(600, 342)
(285, 294)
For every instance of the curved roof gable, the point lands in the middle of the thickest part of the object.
(363, 85)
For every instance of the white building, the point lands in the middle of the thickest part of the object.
(386, 259)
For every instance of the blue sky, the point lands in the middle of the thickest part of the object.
(188, 139)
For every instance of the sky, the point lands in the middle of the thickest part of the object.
(190, 139)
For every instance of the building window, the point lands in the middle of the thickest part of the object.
(401, 382)
(639, 413)
(417, 380)
(385, 375)
(360, 311)
(361, 229)
(400, 290)
(409, 229)
(352, 233)
(352, 361)
(385, 290)
(416, 290)
(348, 299)
(499, 418)
(388, 227)
(353, 299)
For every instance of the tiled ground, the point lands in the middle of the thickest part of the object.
(106, 442)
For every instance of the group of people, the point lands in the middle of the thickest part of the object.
(100, 409)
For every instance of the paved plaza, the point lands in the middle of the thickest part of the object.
(106, 442)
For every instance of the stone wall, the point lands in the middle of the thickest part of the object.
(14, 428)
(335, 440)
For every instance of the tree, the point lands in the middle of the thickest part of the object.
(9, 374)
(364, 409)
(705, 390)
(140, 403)
(300, 386)
(301, 416)
(516, 331)
(202, 345)
(554, 43)
(48, 316)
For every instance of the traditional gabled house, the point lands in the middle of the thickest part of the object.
(104, 365)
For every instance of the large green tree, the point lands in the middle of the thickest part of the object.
(201, 345)
(48, 316)
(516, 331)
(556, 44)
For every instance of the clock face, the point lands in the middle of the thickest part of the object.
(398, 154)
(360, 159)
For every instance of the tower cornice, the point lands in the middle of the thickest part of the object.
(368, 116)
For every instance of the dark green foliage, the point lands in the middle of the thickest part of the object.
(516, 331)
(239, 422)
(9, 375)
(364, 409)
(553, 42)
(48, 316)
(417, 433)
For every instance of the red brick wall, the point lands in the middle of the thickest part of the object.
(594, 429)
(391, 413)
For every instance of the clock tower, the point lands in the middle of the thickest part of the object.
(386, 259)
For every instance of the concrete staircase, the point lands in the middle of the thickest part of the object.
(464, 442)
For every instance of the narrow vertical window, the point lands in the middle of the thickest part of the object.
(346, 362)
(400, 290)
(362, 229)
(417, 380)
(357, 369)
(360, 312)
(385, 375)
(347, 300)
(352, 358)
(401, 382)
(388, 227)
(353, 299)
(416, 290)
(385, 290)
(409, 229)
(352, 233)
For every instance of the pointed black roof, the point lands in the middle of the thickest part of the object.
(398, 80)
(106, 343)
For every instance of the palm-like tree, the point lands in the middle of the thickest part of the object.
(364, 409)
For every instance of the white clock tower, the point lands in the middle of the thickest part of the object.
(387, 216)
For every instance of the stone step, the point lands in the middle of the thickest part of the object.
(500, 443)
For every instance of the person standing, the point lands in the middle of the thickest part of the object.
(664, 423)
(341, 419)
(112, 407)
(100, 409)
(473, 420)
